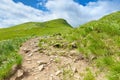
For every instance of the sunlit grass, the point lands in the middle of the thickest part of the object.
(9, 55)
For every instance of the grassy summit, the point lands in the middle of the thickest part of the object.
(35, 28)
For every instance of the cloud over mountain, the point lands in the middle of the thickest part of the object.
(12, 13)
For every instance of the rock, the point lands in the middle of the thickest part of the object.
(79, 57)
(92, 57)
(30, 54)
(36, 78)
(36, 49)
(41, 67)
(73, 45)
(51, 77)
(26, 50)
(41, 62)
(77, 77)
(74, 69)
(20, 73)
(73, 53)
(28, 62)
(28, 59)
(58, 72)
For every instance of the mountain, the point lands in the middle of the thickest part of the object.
(35, 28)
(94, 47)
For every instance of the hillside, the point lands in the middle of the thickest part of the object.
(89, 52)
(35, 28)
(99, 41)
(11, 39)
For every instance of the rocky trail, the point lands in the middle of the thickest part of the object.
(39, 66)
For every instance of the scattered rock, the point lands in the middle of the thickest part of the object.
(79, 57)
(36, 78)
(51, 77)
(74, 69)
(30, 54)
(26, 50)
(36, 49)
(58, 72)
(41, 67)
(41, 62)
(92, 57)
(73, 45)
(28, 62)
(20, 73)
(73, 53)
(77, 77)
(28, 59)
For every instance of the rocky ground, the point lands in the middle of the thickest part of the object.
(38, 64)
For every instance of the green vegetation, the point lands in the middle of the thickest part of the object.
(68, 73)
(97, 39)
(16, 35)
(100, 39)
(9, 55)
(89, 75)
(35, 29)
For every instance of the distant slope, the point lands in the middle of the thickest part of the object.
(35, 28)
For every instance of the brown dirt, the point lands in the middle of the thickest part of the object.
(39, 66)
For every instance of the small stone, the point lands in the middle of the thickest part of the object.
(36, 78)
(74, 69)
(51, 59)
(41, 62)
(36, 49)
(28, 59)
(77, 77)
(41, 67)
(20, 73)
(30, 54)
(51, 77)
(28, 62)
(58, 72)
(26, 50)
(73, 45)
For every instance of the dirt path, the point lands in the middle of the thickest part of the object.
(39, 66)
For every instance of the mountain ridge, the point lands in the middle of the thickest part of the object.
(36, 28)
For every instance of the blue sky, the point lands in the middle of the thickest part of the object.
(33, 3)
(76, 12)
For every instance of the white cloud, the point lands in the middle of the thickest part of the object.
(12, 13)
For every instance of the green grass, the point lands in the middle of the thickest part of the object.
(35, 29)
(101, 39)
(16, 35)
(9, 55)
(89, 75)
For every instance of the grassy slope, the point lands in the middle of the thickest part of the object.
(35, 28)
(101, 40)
(96, 39)
(10, 43)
